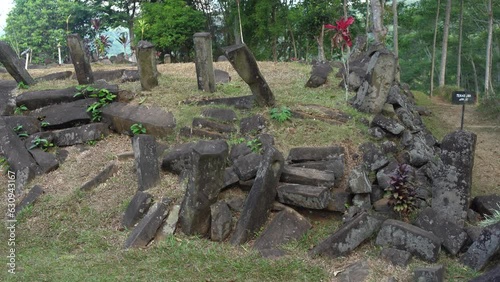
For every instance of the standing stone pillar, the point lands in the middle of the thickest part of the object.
(244, 63)
(146, 161)
(13, 64)
(146, 62)
(203, 61)
(80, 60)
(204, 182)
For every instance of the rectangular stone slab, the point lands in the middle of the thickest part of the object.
(306, 196)
(307, 176)
(65, 115)
(14, 65)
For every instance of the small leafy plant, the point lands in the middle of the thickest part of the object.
(20, 132)
(401, 192)
(137, 128)
(84, 90)
(20, 110)
(255, 145)
(44, 124)
(21, 85)
(41, 143)
(281, 115)
(235, 141)
(491, 219)
(105, 97)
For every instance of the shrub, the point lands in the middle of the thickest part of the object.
(401, 192)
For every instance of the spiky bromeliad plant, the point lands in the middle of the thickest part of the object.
(401, 192)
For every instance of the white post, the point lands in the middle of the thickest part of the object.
(59, 52)
(27, 60)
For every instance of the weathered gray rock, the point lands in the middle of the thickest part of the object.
(384, 175)
(336, 165)
(239, 150)
(388, 124)
(213, 125)
(224, 115)
(306, 196)
(78, 135)
(319, 74)
(404, 236)
(377, 133)
(348, 236)
(252, 125)
(221, 76)
(429, 274)
(130, 76)
(243, 61)
(46, 161)
(491, 276)
(486, 204)
(483, 249)
(104, 175)
(246, 166)
(205, 180)
(362, 200)
(358, 181)
(221, 222)
(13, 64)
(146, 229)
(203, 61)
(146, 161)
(410, 119)
(64, 115)
(29, 124)
(230, 177)
(121, 116)
(373, 156)
(452, 188)
(7, 102)
(243, 102)
(138, 207)
(178, 158)
(358, 271)
(339, 200)
(30, 198)
(108, 75)
(286, 226)
(55, 76)
(260, 198)
(200, 133)
(453, 236)
(307, 176)
(396, 257)
(306, 154)
(171, 222)
(146, 63)
(81, 62)
(418, 152)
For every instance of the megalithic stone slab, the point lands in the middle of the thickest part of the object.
(78, 135)
(45, 160)
(145, 231)
(261, 197)
(104, 175)
(246, 167)
(146, 161)
(307, 154)
(81, 62)
(452, 189)
(7, 102)
(404, 236)
(311, 197)
(146, 63)
(484, 248)
(139, 205)
(490, 276)
(243, 61)
(286, 226)
(203, 60)
(348, 237)
(121, 116)
(307, 176)
(221, 222)
(14, 66)
(65, 115)
(30, 198)
(205, 180)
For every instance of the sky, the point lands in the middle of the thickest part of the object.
(5, 7)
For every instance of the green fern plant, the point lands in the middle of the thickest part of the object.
(137, 128)
(19, 110)
(255, 145)
(281, 115)
(41, 143)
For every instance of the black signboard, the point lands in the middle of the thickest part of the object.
(463, 97)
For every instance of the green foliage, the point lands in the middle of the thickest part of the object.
(20, 132)
(19, 110)
(491, 219)
(44, 124)
(84, 90)
(445, 92)
(235, 140)
(401, 192)
(255, 145)
(281, 115)
(105, 97)
(21, 85)
(137, 128)
(490, 107)
(4, 165)
(41, 143)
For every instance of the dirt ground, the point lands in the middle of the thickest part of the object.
(486, 174)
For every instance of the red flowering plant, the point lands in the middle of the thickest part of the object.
(342, 38)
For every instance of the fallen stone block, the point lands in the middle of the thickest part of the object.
(307, 154)
(201, 133)
(261, 197)
(171, 222)
(483, 249)
(357, 271)
(348, 237)
(145, 231)
(244, 102)
(224, 115)
(212, 125)
(396, 257)
(239, 150)
(13, 64)
(230, 177)
(430, 273)
(7, 102)
(130, 76)
(30, 198)
(306, 196)
(64, 115)
(146, 161)
(221, 222)
(339, 201)
(121, 116)
(246, 166)
(453, 236)
(104, 175)
(319, 74)
(362, 200)
(336, 165)
(388, 124)
(78, 135)
(178, 158)
(29, 125)
(486, 204)
(491, 276)
(108, 75)
(307, 176)
(373, 156)
(46, 161)
(358, 181)
(62, 75)
(404, 236)
(286, 226)
(252, 125)
(138, 207)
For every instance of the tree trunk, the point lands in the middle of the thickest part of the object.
(345, 9)
(459, 59)
(379, 30)
(476, 83)
(487, 75)
(321, 49)
(293, 43)
(444, 52)
(395, 27)
(434, 48)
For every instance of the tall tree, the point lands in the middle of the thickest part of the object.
(433, 63)
(444, 46)
(379, 30)
(395, 27)
(487, 76)
(459, 53)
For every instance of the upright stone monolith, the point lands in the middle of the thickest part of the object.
(244, 63)
(204, 182)
(146, 161)
(203, 61)
(146, 62)
(14, 65)
(80, 60)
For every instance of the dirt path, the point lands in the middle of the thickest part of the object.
(486, 175)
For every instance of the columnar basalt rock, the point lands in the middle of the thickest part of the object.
(203, 61)
(80, 60)
(146, 62)
(146, 161)
(14, 66)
